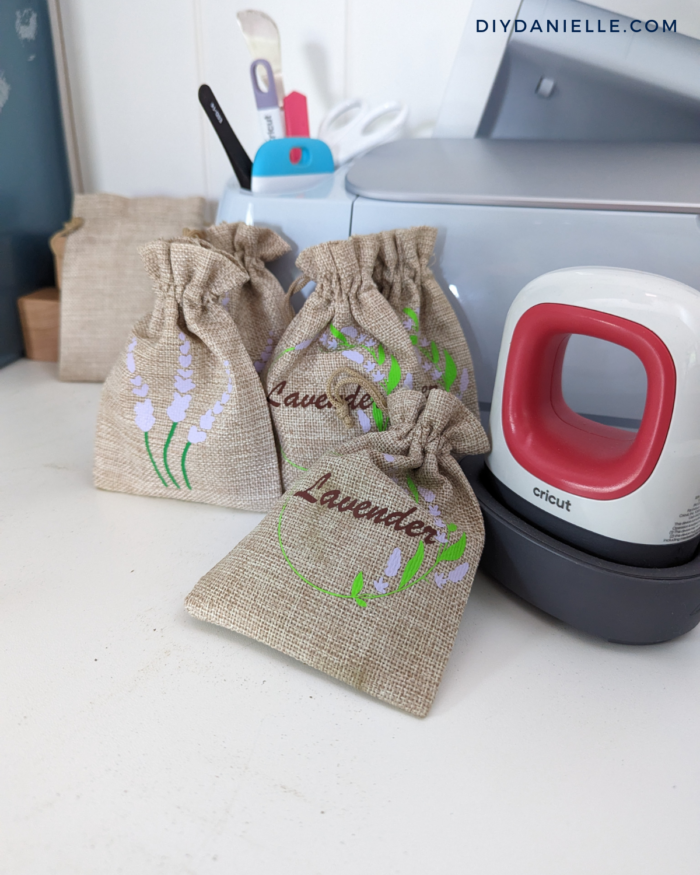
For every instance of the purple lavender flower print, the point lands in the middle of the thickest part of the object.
(143, 410)
(181, 398)
(206, 421)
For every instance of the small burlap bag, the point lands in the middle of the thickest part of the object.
(345, 319)
(363, 568)
(261, 310)
(183, 412)
(403, 276)
(104, 288)
(378, 305)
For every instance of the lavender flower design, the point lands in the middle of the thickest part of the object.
(265, 354)
(365, 423)
(354, 355)
(391, 570)
(181, 398)
(412, 573)
(328, 341)
(434, 511)
(206, 421)
(143, 410)
(429, 355)
(350, 342)
(371, 360)
(454, 576)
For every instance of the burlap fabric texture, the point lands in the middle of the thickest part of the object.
(183, 413)
(262, 309)
(364, 567)
(376, 305)
(104, 288)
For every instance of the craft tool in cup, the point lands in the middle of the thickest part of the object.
(237, 155)
(263, 40)
(296, 120)
(296, 115)
(358, 131)
(269, 115)
(290, 165)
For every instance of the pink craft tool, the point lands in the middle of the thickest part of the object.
(296, 115)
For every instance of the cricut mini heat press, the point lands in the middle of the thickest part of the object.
(588, 517)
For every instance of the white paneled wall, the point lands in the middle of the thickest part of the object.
(135, 67)
(404, 49)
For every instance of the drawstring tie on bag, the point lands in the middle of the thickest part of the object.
(343, 377)
(297, 285)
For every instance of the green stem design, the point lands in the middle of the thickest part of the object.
(182, 464)
(289, 562)
(289, 461)
(284, 351)
(165, 455)
(153, 461)
(340, 595)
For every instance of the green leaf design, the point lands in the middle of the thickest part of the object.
(434, 353)
(414, 490)
(381, 355)
(392, 381)
(357, 587)
(412, 566)
(453, 551)
(378, 418)
(451, 527)
(414, 339)
(338, 334)
(450, 371)
(413, 316)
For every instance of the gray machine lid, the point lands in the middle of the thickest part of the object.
(653, 177)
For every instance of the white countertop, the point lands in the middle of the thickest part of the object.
(136, 739)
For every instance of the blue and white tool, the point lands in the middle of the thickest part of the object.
(290, 165)
(269, 115)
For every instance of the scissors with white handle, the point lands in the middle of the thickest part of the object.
(351, 137)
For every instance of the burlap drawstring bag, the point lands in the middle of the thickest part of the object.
(345, 320)
(104, 288)
(403, 275)
(364, 567)
(183, 412)
(261, 310)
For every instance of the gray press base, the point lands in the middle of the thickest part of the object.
(619, 603)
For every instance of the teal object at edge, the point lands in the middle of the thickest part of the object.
(35, 190)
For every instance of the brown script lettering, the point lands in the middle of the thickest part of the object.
(366, 510)
(292, 400)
